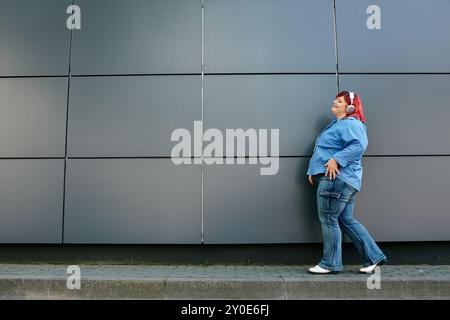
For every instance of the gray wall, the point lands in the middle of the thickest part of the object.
(86, 117)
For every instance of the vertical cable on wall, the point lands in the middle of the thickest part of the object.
(67, 122)
(336, 52)
(202, 85)
(336, 46)
(343, 235)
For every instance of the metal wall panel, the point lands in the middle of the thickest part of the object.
(298, 105)
(137, 36)
(130, 116)
(405, 198)
(406, 114)
(33, 117)
(34, 38)
(242, 206)
(31, 200)
(151, 200)
(269, 36)
(414, 36)
(132, 201)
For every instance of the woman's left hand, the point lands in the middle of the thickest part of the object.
(332, 168)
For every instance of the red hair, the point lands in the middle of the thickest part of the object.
(358, 113)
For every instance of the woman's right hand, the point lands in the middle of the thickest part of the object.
(311, 180)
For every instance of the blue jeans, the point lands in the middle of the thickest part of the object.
(335, 201)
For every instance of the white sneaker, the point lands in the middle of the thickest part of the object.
(319, 270)
(371, 269)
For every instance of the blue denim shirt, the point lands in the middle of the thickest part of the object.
(345, 140)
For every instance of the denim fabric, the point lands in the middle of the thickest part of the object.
(335, 202)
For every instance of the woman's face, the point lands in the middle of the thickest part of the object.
(339, 105)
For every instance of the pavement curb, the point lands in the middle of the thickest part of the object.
(221, 282)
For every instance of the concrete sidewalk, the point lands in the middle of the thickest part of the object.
(45, 281)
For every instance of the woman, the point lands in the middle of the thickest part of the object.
(335, 167)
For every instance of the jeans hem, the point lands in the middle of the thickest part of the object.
(378, 260)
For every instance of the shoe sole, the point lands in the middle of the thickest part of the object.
(367, 272)
(382, 262)
(331, 272)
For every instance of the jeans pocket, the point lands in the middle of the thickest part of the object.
(329, 201)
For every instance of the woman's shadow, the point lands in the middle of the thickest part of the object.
(310, 225)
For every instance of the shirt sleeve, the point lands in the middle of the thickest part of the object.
(355, 143)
